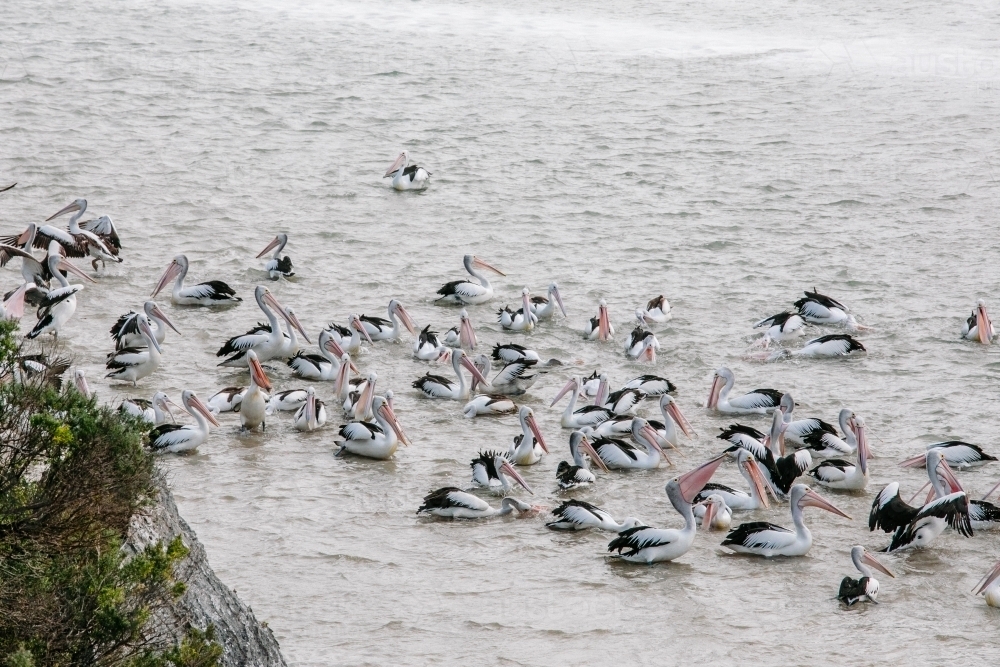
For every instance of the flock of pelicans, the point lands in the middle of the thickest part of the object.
(604, 432)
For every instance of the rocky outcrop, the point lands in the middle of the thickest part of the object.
(207, 601)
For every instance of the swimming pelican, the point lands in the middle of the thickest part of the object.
(267, 344)
(544, 307)
(436, 386)
(467, 292)
(651, 385)
(816, 308)
(621, 455)
(177, 438)
(824, 347)
(287, 400)
(656, 311)
(155, 411)
(322, 366)
(349, 337)
(599, 328)
(211, 293)
(737, 499)
(889, 512)
(958, 454)
(378, 440)
(59, 304)
(580, 515)
(712, 513)
(131, 364)
(428, 347)
(490, 470)
(865, 588)
(761, 538)
(227, 400)
(758, 401)
(844, 475)
(643, 544)
(464, 335)
(521, 320)
(528, 447)
(253, 407)
(489, 404)
(591, 384)
(621, 402)
(277, 266)
(125, 331)
(312, 414)
(578, 473)
(989, 587)
(820, 438)
(508, 353)
(666, 430)
(781, 471)
(588, 415)
(82, 242)
(979, 326)
(517, 378)
(642, 345)
(406, 176)
(454, 503)
(378, 328)
(781, 327)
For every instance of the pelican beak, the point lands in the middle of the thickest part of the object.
(559, 301)
(258, 374)
(508, 469)
(69, 209)
(653, 437)
(405, 318)
(813, 499)
(396, 166)
(144, 327)
(202, 409)
(390, 416)
(565, 390)
(270, 246)
(649, 353)
(173, 270)
(917, 461)
(356, 324)
(533, 426)
(168, 405)
(343, 376)
(66, 265)
(364, 405)
(294, 321)
(15, 304)
(82, 386)
(757, 479)
(467, 335)
(603, 323)
(601, 395)
(988, 580)
(691, 483)
(944, 470)
(919, 491)
(159, 313)
(311, 411)
(863, 451)
(710, 511)
(334, 347)
(869, 559)
(983, 324)
(485, 265)
(592, 453)
(680, 419)
(991, 491)
(471, 367)
(713, 393)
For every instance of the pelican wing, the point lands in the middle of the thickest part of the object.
(580, 512)
(127, 357)
(634, 540)
(837, 344)
(832, 470)
(515, 371)
(450, 497)
(758, 398)
(360, 431)
(759, 535)
(889, 511)
(169, 435)
(104, 228)
(215, 290)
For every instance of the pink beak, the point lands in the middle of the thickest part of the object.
(603, 323)
(508, 469)
(710, 511)
(159, 313)
(680, 419)
(356, 323)
(270, 246)
(813, 499)
(15, 304)
(467, 335)
(691, 483)
(533, 425)
(757, 479)
(988, 580)
(650, 352)
(471, 367)
(197, 404)
(390, 416)
(592, 453)
(713, 393)
(173, 270)
(572, 384)
(258, 374)
(334, 347)
(983, 324)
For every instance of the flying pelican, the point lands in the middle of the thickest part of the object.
(267, 344)
(989, 587)
(312, 414)
(714, 514)
(816, 308)
(155, 411)
(253, 407)
(436, 386)
(131, 364)
(379, 329)
(349, 337)
(490, 470)
(59, 304)
(177, 438)
(79, 242)
(978, 326)
(544, 307)
(843, 475)
(211, 293)
(454, 503)
(105, 230)
(866, 588)
(599, 328)
(13, 306)
(736, 499)
(643, 544)
(528, 447)
(958, 454)
(761, 538)
(378, 440)
(322, 366)
(588, 415)
(467, 292)
(656, 311)
(521, 320)
(125, 331)
(666, 430)
(580, 515)
(758, 401)
(781, 327)
(406, 176)
(578, 473)
(642, 345)
(277, 266)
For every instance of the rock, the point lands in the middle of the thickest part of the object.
(207, 601)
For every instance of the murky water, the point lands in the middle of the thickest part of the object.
(724, 154)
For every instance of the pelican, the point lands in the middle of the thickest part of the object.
(580, 515)
(227, 400)
(211, 293)
(781, 327)
(32, 271)
(621, 402)
(467, 292)
(176, 438)
(125, 331)
(656, 311)
(76, 241)
(288, 400)
(490, 470)
(155, 411)
(517, 377)
(651, 385)
(782, 471)
(521, 320)
(642, 345)
(428, 346)
(312, 414)
(824, 347)
(59, 304)
(508, 353)
(80, 383)
(378, 440)
(544, 307)
(866, 588)
(253, 407)
(592, 383)
(889, 512)
(277, 266)
(620, 455)
(736, 499)
(379, 329)
(599, 328)
(761, 538)
(489, 404)
(349, 337)
(643, 544)
(578, 473)
(958, 454)
(104, 229)
(406, 176)
(979, 326)
(712, 513)
(267, 344)
(820, 438)
(289, 342)
(464, 335)
(843, 475)
(453, 503)
(588, 415)
(435, 386)
(41, 369)
(616, 427)
(12, 308)
(989, 587)
(666, 430)
(758, 401)
(816, 308)
(322, 366)
(529, 447)
(131, 364)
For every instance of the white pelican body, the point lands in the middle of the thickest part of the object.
(521, 320)
(651, 385)
(453, 503)
(131, 364)
(312, 414)
(979, 327)
(83, 240)
(320, 367)
(428, 347)
(853, 591)
(380, 329)
(349, 337)
(843, 475)
(642, 345)
(435, 386)
(656, 311)
(125, 331)
(781, 327)
(288, 400)
(226, 400)
(599, 328)
(175, 438)
(758, 401)
(253, 407)
(466, 291)
(155, 411)
(544, 307)
(816, 435)
(620, 455)
(375, 441)
(489, 404)
(267, 343)
(957, 454)
(59, 304)
(578, 473)
(817, 308)
(760, 538)
(529, 447)
(211, 293)
(406, 176)
(277, 266)
(588, 415)
(580, 515)
(824, 347)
